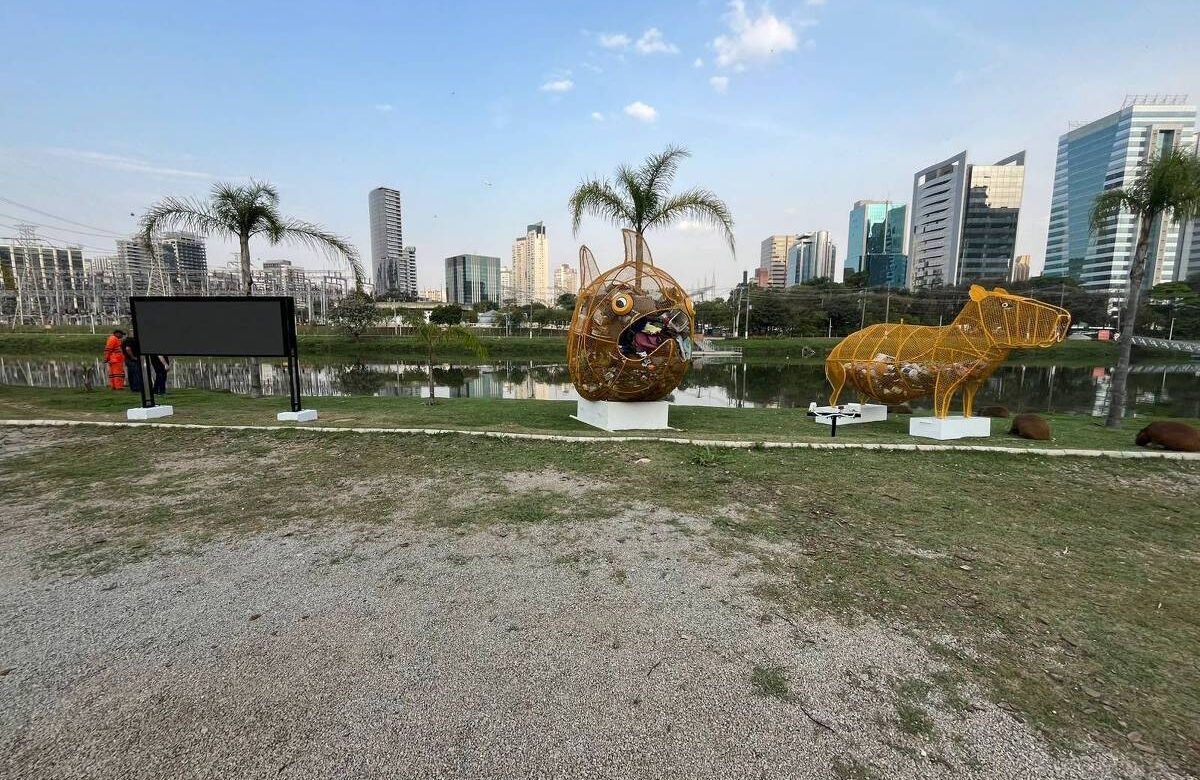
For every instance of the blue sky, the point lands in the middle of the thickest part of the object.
(485, 115)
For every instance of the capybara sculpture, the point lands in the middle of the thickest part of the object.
(899, 409)
(1176, 436)
(995, 410)
(1030, 426)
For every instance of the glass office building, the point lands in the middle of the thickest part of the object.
(1106, 154)
(876, 228)
(993, 204)
(472, 279)
(964, 221)
(886, 270)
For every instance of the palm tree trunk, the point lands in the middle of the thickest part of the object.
(253, 363)
(1137, 272)
(638, 260)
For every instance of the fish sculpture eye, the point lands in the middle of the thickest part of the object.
(622, 303)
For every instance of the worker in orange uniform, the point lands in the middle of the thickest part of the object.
(116, 360)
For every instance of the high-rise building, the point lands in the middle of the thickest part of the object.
(531, 266)
(811, 256)
(773, 256)
(566, 280)
(183, 256)
(37, 270)
(964, 221)
(876, 228)
(472, 279)
(436, 294)
(762, 277)
(1021, 269)
(1107, 154)
(1187, 262)
(890, 270)
(393, 265)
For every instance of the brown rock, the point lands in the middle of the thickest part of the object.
(1170, 435)
(995, 410)
(1030, 426)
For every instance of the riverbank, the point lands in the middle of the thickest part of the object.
(334, 347)
(533, 416)
(638, 610)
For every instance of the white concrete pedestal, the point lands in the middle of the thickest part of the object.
(304, 415)
(943, 428)
(623, 415)
(866, 413)
(149, 412)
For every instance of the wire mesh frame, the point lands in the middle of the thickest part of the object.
(608, 307)
(895, 363)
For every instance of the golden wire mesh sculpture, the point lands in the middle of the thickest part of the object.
(631, 334)
(897, 363)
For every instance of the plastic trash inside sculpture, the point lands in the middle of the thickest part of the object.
(896, 363)
(631, 334)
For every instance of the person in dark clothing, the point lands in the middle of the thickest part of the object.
(133, 361)
(161, 365)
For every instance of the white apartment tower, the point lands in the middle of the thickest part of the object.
(1107, 154)
(566, 280)
(393, 265)
(531, 267)
(773, 257)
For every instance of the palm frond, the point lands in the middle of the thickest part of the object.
(598, 198)
(1109, 204)
(297, 231)
(700, 205)
(639, 198)
(184, 214)
(658, 171)
(457, 334)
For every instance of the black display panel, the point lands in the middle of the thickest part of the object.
(215, 326)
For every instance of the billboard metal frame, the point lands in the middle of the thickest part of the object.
(287, 316)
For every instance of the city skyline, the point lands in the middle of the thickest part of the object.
(500, 136)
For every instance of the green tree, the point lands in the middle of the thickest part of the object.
(431, 336)
(355, 313)
(566, 301)
(1166, 187)
(447, 314)
(641, 199)
(243, 212)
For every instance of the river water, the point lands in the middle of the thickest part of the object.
(1164, 389)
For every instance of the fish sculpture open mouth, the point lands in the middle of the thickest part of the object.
(632, 330)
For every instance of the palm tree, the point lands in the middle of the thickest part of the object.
(1166, 187)
(430, 336)
(642, 199)
(244, 212)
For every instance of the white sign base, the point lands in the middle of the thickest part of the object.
(304, 415)
(943, 428)
(866, 413)
(149, 412)
(623, 415)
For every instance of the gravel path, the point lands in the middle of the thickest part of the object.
(621, 649)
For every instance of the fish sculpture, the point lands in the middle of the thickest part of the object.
(631, 333)
(894, 363)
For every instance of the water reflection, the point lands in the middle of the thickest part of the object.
(1167, 390)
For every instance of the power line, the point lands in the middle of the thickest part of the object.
(60, 219)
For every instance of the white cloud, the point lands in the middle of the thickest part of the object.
(753, 38)
(558, 85)
(652, 42)
(641, 112)
(719, 83)
(120, 163)
(693, 226)
(592, 67)
(697, 63)
(597, 116)
(814, 2)
(614, 40)
(384, 107)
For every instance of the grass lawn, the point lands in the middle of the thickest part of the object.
(1064, 588)
(529, 416)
